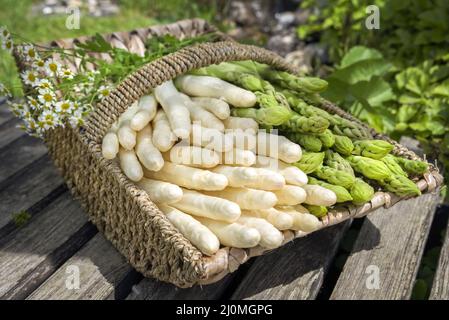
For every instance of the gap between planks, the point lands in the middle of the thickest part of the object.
(386, 255)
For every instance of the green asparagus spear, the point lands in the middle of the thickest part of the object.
(370, 168)
(375, 149)
(343, 145)
(334, 176)
(285, 79)
(336, 161)
(400, 185)
(392, 164)
(342, 194)
(317, 211)
(361, 192)
(298, 123)
(310, 161)
(309, 142)
(327, 138)
(412, 167)
(266, 116)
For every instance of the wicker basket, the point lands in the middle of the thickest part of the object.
(123, 212)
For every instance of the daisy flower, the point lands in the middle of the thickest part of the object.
(64, 106)
(52, 68)
(30, 77)
(103, 92)
(7, 45)
(33, 103)
(4, 33)
(48, 119)
(38, 64)
(45, 84)
(46, 97)
(67, 74)
(29, 52)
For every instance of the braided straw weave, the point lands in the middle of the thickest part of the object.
(122, 211)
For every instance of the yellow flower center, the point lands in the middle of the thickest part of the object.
(105, 92)
(31, 77)
(40, 63)
(9, 44)
(5, 33)
(31, 53)
(53, 67)
(48, 97)
(65, 106)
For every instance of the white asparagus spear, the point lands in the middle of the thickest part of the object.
(244, 139)
(148, 154)
(205, 86)
(147, 107)
(279, 147)
(290, 195)
(250, 199)
(202, 205)
(173, 104)
(188, 177)
(126, 135)
(302, 219)
(110, 145)
(210, 139)
(281, 220)
(241, 123)
(319, 196)
(201, 116)
(233, 235)
(292, 174)
(161, 191)
(194, 156)
(163, 136)
(270, 237)
(266, 180)
(198, 234)
(130, 164)
(238, 157)
(218, 107)
(237, 176)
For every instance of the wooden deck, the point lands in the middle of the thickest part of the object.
(37, 258)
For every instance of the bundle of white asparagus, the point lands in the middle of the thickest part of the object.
(220, 180)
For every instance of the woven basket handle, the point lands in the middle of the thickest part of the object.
(166, 68)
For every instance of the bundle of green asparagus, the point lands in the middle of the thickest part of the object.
(339, 154)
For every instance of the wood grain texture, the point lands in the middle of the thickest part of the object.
(101, 269)
(34, 243)
(390, 243)
(5, 113)
(18, 154)
(10, 132)
(440, 286)
(150, 289)
(31, 187)
(294, 271)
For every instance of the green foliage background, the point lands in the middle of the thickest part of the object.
(396, 77)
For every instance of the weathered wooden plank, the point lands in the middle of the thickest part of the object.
(9, 131)
(5, 113)
(29, 256)
(389, 249)
(150, 289)
(295, 271)
(18, 154)
(101, 270)
(440, 286)
(30, 188)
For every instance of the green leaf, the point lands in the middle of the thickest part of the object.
(362, 70)
(336, 91)
(419, 290)
(442, 89)
(359, 53)
(375, 91)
